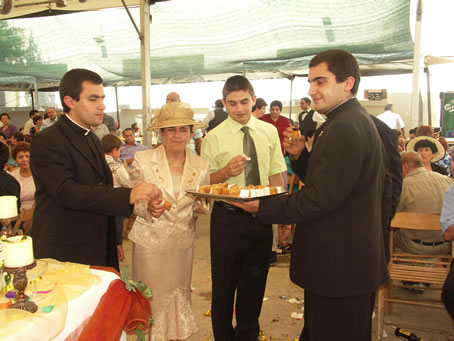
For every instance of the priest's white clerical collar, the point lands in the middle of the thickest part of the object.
(337, 106)
(87, 131)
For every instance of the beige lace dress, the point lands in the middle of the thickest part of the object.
(163, 247)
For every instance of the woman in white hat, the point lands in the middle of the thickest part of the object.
(430, 151)
(164, 237)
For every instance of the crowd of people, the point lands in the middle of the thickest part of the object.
(82, 180)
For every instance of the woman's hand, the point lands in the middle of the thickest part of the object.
(156, 207)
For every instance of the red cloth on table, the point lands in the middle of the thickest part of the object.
(118, 309)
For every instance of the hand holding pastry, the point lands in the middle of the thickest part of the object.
(294, 146)
(156, 207)
(294, 135)
(235, 166)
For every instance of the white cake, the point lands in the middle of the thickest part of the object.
(17, 252)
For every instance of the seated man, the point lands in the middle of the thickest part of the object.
(447, 225)
(422, 191)
(130, 147)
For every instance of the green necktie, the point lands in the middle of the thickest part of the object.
(251, 171)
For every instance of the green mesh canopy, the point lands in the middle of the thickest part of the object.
(202, 40)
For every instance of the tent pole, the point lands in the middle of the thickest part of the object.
(132, 19)
(118, 109)
(292, 78)
(429, 103)
(36, 97)
(416, 62)
(33, 99)
(145, 21)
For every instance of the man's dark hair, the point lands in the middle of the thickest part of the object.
(5, 114)
(424, 130)
(306, 99)
(388, 106)
(424, 144)
(109, 142)
(71, 84)
(37, 118)
(33, 112)
(4, 155)
(259, 103)
(341, 63)
(397, 132)
(19, 137)
(127, 129)
(218, 104)
(413, 130)
(276, 103)
(237, 83)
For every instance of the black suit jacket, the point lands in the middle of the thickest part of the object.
(393, 179)
(338, 247)
(75, 201)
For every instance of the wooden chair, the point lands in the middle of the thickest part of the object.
(26, 217)
(293, 179)
(432, 269)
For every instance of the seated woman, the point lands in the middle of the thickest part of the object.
(430, 151)
(38, 122)
(23, 174)
(163, 237)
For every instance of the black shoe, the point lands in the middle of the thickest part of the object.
(415, 287)
(273, 258)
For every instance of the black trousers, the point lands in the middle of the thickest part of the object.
(240, 253)
(337, 318)
(447, 293)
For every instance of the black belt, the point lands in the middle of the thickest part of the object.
(231, 208)
(426, 243)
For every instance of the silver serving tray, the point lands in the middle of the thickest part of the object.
(228, 197)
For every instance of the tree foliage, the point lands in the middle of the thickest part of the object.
(15, 48)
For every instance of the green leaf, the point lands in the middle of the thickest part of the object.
(140, 336)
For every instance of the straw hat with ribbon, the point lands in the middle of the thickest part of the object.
(174, 115)
(440, 150)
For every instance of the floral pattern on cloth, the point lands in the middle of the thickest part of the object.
(166, 327)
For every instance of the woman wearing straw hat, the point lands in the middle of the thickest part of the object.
(164, 237)
(430, 151)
